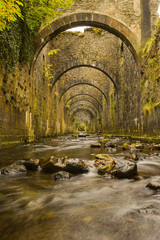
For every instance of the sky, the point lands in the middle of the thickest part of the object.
(77, 29)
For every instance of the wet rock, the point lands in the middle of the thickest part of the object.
(104, 157)
(154, 183)
(115, 142)
(155, 147)
(14, 170)
(76, 167)
(51, 164)
(61, 176)
(109, 149)
(95, 145)
(106, 168)
(126, 146)
(139, 146)
(29, 164)
(132, 156)
(82, 135)
(125, 170)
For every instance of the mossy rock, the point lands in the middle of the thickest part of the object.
(106, 169)
(126, 146)
(105, 140)
(95, 145)
(104, 157)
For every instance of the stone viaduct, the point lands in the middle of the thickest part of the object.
(94, 78)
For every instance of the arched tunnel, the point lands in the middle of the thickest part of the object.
(95, 72)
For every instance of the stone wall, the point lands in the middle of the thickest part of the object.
(150, 85)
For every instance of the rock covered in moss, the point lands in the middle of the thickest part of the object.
(106, 168)
(51, 164)
(95, 145)
(104, 157)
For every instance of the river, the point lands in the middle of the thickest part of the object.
(86, 207)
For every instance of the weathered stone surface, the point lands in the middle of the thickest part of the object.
(104, 157)
(154, 183)
(29, 164)
(51, 164)
(76, 167)
(106, 169)
(125, 170)
(14, 170)
(95, 145)
(61, 176)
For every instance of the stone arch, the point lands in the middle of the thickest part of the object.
(83, 83)
(89, 110)
(87, 18)
(84, 63)
(85, 100)
(72, 97)
(86, 106)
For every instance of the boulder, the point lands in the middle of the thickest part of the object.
(14, 170)
(29, 164)
(82, 134)
(106, 169)
(76, 167)
(132, 156)
(125, 170)
(95, 145)
(61, 176)
(104, 157)
(154, 183)
(126, 146)
(51, 164)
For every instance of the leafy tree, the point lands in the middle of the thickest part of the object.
(33, 12)
(9, 11)
(20, 21)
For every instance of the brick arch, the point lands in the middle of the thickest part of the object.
(84, 63)
(87, 18)
(81, 102)
(80, 94)
(83, 83)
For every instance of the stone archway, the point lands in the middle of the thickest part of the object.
(82, 83)
(79, 95)
(87, 19)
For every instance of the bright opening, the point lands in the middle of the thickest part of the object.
(77, 29)
(159, 10)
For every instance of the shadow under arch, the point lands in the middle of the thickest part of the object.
(86, 18)
(86, 106)
(83, 83)
(81, 94)
(97, 66)
(85, 100)
(84, 110)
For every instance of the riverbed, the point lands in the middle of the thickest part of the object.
(86, 207)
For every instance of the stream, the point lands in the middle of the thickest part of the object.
(86, 207)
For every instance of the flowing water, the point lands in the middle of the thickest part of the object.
(86, 207)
